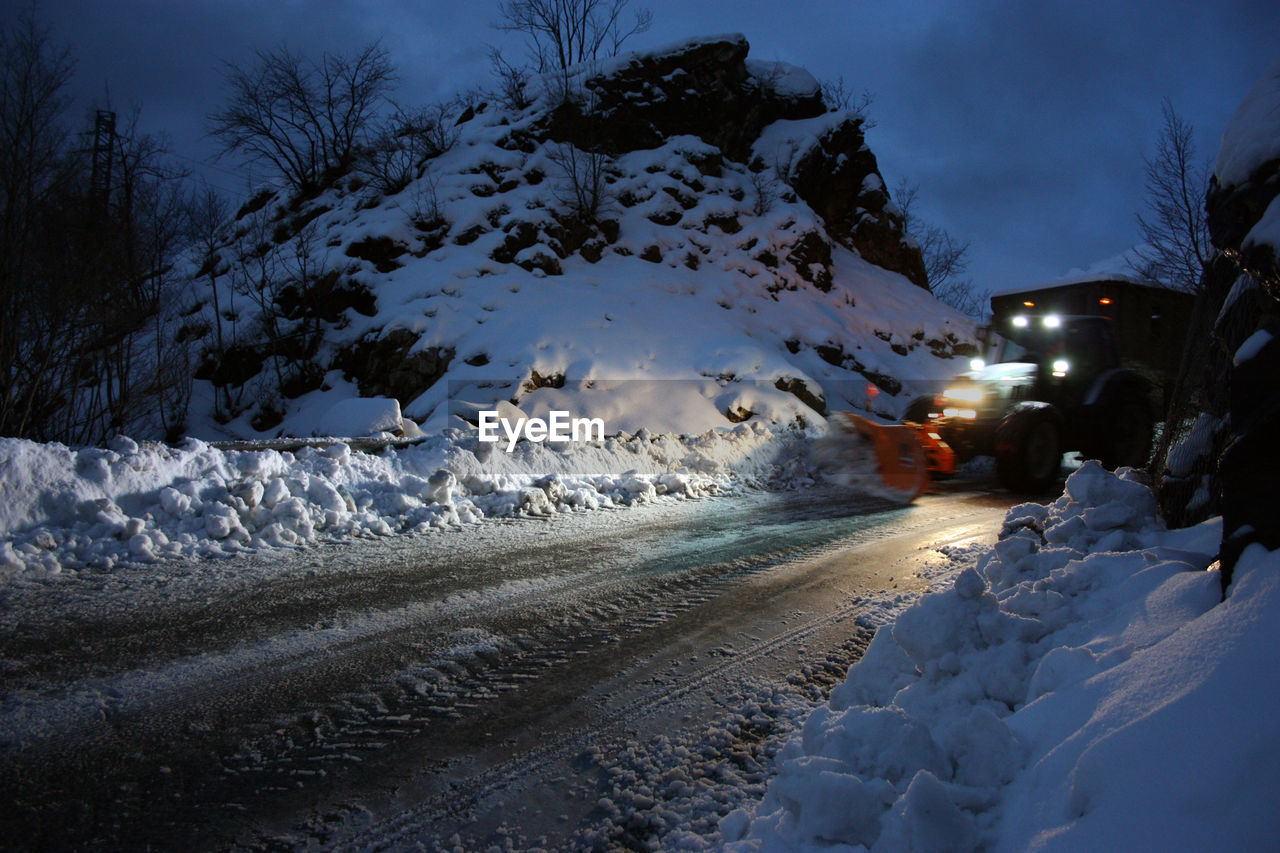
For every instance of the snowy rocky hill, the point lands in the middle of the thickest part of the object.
(676, 240)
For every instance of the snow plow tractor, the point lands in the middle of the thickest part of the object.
(1080, 365)
(1054, 384)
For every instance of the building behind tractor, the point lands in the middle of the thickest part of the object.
(1082, 365)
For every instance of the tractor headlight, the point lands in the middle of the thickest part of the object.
(1052, 321)
(1060, 367)
(976, 364)
(964, 393)
(967, 414)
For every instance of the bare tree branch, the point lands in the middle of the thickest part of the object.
(561, 33)
(1175, 237)
(304, 119)
(946, 260)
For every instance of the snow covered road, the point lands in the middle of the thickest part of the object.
(580, 681)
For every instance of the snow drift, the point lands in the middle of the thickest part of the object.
(1080, 688)
(64, 509)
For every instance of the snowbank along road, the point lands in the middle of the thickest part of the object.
(597, 680)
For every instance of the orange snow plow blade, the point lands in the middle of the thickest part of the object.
(900, 453)
(939, 458)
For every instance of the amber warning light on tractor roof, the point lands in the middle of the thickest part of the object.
(1106, 300)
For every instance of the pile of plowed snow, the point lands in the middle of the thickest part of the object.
(1080, 688)
(63, 509)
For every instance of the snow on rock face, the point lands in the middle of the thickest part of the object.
(999, 714)
(361, 416)
(1243, 218)
(1252, 135)
(1243, 215)
(708, 261)
(67, 510)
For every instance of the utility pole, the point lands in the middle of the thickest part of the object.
(104, 146)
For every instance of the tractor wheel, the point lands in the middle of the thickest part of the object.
(918, 411)
(1028, 445)
(1128, 436)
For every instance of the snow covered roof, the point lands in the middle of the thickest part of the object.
(1086, 278)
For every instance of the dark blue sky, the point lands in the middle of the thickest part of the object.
(1024, 123)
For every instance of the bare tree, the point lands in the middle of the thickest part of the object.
(840, 97)
(258, 273)
(1175, 237)
(305, 119)
(764, 183)
(582, 173)
(207, 217)
(945, 258)
(402, 143)
(34, 73)
(562, 33)
(513, 81)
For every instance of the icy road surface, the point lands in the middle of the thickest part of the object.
(599, 680)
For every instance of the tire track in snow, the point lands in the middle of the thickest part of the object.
(551, 758)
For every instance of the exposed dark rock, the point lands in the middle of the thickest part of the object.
(536, 381)
(191, 331)
(520, 236)
(266, 417)
(253, 205)
(686, 201)
(840, 180)
(1234, 211)
(567, 234)
(837, 357)
(233, 367)
(541, 259)
(830, 354)
(327, 299)
(727, 224)
(709, 163)
(379, 251)
(703, 90)
(287, 230)
(811, 257)
(883, 381)
(665, 217)
(1250, 464)
(303, 377)
(470, 235)
(800, 391)
(384, 367)
(610, 229)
